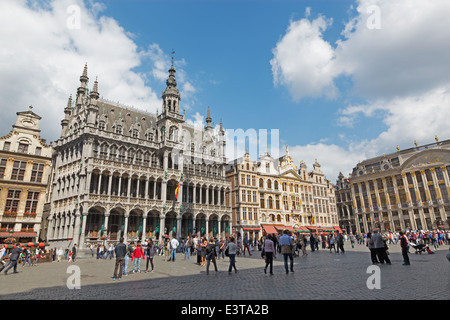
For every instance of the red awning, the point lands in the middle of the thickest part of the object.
(251, 229)
(302, 229)
(338, 229)
(269, 228)
(4, 234)
(24, 234)
(289, 228)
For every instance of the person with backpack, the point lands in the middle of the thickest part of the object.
(211, 254)
(121, 252)
(230, 251)
(128, 256)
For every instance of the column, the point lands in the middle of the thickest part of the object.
(129, 187)
(105, 227)
(120, 186)
(144, 227)
(125, 229)
(178, 227)
(76, 231)
(207, 227)
(429, 201)
(100, 178)
(110, 184)
(162, 225)
(83, 230)
(147, 182)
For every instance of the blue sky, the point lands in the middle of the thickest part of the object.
(341, 80)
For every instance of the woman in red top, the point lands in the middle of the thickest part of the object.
(138, 254)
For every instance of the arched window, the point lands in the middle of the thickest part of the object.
(261, 183)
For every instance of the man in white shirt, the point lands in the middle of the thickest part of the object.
(173, 249)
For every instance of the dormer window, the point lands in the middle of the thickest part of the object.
(23, 148)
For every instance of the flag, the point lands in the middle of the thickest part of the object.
(176, 190)
(312, 220)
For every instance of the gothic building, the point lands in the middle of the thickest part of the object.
(119, 171)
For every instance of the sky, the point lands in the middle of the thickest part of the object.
(339, 81)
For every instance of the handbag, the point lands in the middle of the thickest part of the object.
(226, 252)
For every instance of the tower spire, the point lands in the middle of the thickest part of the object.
(208, 120)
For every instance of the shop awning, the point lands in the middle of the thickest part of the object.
(24, 234)
(269, 228)
(338, 229)
(251, 229)
(302, 229)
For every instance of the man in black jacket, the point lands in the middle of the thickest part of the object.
(121, 251)
(13, 257)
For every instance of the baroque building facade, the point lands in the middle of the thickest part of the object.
(122, 172)
(25, 166)
(408, 189)
(270, 195)
(344, 206)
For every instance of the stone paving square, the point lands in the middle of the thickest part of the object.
(319, 276)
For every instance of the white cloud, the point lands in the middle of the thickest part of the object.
(302, 60)
(399, 71)
(44, 46)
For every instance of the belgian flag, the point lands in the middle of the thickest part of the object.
(176, 190)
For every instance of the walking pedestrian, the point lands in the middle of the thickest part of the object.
(2, 255)
(269, 252)
(74, 252)
(187, 251)
(380, 247)
(340, 242)
(286, 243)
(332, 245)
(60, 254)
(404, 246)
(149, 253)
(211, 254)
(26, 256)
(373, 252)
(138, 255)
(246, 245)
(13, 257)
(232, 249)
(121, 252)
(312, 242)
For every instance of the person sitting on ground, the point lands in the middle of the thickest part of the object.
(429, 250)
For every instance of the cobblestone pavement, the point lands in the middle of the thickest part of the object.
(319, 276)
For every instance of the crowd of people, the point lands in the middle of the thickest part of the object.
(129, 256)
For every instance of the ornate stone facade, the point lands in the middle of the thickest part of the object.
(25, 165)
(117, 169)
(270, 195)
(408, 189)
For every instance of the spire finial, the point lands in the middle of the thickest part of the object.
(173, 52)
(208, 119)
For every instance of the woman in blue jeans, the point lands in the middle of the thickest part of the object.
(232, 249)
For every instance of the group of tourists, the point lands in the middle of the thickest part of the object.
(31, 255)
